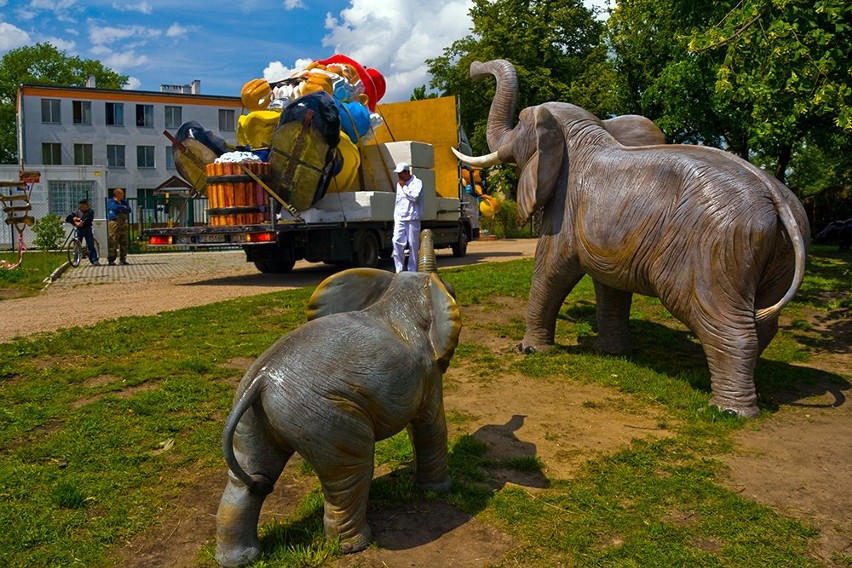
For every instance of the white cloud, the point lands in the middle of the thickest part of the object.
(293, 4)
(397, 36)
(12, 37)
(132, 84)
(119, 60)
(277, 71)
(141, 7)
(61, 44)
(101, 35)
(176, 30)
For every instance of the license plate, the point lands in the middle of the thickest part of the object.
(211, 238)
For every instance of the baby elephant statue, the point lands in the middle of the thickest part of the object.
(720, 242)
(367, 364)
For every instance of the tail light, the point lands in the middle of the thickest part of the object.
(159, 240)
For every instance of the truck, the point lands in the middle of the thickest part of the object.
(348, 227)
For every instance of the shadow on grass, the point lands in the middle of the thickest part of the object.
(480, 465)
(677, 353)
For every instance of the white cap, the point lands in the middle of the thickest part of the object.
(401, 167)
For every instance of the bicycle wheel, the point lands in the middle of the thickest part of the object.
(74, 252)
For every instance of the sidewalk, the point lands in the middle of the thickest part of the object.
(156, 266)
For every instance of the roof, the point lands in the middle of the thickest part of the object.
(34, 90)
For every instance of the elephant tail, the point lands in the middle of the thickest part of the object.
(256, 483)
(797, 238)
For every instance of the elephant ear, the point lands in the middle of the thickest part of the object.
(540, 173)
(348, 291)
(445, 324)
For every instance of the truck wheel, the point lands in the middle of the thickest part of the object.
(366, 250)
(271, 266)
(460, 246)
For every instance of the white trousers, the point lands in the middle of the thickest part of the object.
(406, 232)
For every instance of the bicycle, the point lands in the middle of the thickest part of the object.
(75, 244)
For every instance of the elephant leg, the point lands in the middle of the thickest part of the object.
(766, 331)
(345, 480)
(551, 283)
(237, 543)
(613, 314)
(428, 433)
(732, 348)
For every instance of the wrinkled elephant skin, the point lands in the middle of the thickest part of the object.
(367, 365)
(719, 241)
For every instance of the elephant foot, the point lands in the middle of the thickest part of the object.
(439, 487)
(358, 542)
(610, 346)
(527, 348)
(744, 410)
(237, 556)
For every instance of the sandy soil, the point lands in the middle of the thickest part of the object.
(799, 461)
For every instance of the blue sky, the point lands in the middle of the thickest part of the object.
(226, 44)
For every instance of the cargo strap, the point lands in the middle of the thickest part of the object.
(290, 209)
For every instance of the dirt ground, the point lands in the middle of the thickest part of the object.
(799, 461)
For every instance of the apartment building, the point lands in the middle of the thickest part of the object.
(87, 141)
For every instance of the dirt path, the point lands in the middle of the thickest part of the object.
(155, 283)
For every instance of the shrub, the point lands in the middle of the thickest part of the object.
(49, 232)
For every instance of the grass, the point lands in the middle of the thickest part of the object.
(28, 278)
(99, 423)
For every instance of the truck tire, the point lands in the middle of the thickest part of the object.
(366, 250)
(460, 246)
(273, 266)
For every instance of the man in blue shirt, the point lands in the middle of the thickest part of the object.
(82, 219)
(407, 211)
(118, 227)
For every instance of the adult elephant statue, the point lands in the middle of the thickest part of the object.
(719, 241)
(367, 364)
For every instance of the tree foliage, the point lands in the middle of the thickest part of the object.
(763, 78)
(42, 64)
(554, 44)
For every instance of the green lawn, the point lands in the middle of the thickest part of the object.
(86, 415)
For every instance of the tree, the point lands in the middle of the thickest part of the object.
(759, 77)
(554, 45)
(788, 60)
(42, 64)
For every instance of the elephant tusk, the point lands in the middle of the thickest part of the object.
(478, 161)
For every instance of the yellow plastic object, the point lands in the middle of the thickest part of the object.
(347, 177)
(315, 81)
(488, 206)
(256, 128)
(256, 95)
(433, 121)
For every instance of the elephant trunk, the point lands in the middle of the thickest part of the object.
(426, 261)
(505, 98)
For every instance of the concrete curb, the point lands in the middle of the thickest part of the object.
(56, 274)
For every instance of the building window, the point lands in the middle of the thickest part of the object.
(145, 116)
(50, 111)
(173, 116)
(115, 156)
(115, 114)
(64, 196)
(145, 157)
(226, 120)
(51, 154)
(82, 112)
(83, 155)
(170, 158)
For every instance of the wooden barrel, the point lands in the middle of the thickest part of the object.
(234, 197)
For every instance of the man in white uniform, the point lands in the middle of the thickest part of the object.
(406, 217)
